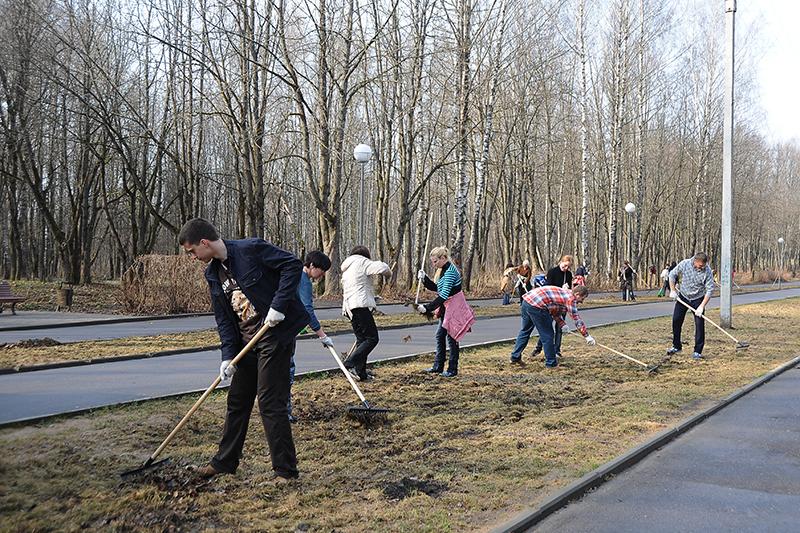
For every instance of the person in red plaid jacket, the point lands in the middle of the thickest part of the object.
(539, 308)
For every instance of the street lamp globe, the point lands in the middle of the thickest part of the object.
(780, 240)
(362, 153)
(630, 207)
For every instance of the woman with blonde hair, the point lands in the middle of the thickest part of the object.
(449, 297)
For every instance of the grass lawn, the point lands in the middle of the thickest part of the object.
(456, 455)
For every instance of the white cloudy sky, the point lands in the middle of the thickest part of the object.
(778, 26)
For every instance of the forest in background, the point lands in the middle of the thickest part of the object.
(519, 128)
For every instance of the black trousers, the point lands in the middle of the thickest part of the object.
(366, 333)
(678, 316)
(264, 374)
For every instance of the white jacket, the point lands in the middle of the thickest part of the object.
(356, 283)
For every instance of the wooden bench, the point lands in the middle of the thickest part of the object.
(7, 297)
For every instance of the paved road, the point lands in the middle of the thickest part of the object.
(27, 395)
(737, 471)
(9, 325)
(118, 330)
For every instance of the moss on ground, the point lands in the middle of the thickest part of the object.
(461, 454)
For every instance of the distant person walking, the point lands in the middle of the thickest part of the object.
(696, 286)
(450, 306)
(626, 275)
(358, 302)
(665, 278)
(539, 308)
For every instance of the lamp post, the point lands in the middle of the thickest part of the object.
(782, 246)
(630, 208)
(726, 245)
(362, 153)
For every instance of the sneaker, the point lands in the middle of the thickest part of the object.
(549, 365)
(673, 350)
(353, 373)
(433, 370)
(292, 419)
(367, 377)
(448, 374)
(558, 355)
(696, 355)
(207, 472)
(537, 350)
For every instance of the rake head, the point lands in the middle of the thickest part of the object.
(742, 345)
(148, 465)
(368, 416)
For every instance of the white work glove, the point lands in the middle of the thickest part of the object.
(699, 310)
(421, 309)
(226, 370)
(326, 341)
(274, 317)
(421, 275)
(565, 286)
(565, 328)
(673, 295)
(590, 340)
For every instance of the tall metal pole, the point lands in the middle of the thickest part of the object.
(361, 209)
(782, 245)
(726, 299)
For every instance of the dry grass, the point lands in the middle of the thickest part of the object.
(483, 446)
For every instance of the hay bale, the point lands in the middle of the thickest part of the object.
(165, 284)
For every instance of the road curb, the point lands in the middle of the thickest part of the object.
(100, 322)
(529, 518)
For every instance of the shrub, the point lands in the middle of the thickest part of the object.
(165, 284)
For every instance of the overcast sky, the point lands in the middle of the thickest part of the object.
(778, 25)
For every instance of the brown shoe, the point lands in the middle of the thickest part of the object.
(207, 472)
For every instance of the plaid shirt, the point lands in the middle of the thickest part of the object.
(694, 283)
(557, 301)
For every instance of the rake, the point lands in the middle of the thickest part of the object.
(740, 345)
(367, 414)
(650, 369)
(151, 461)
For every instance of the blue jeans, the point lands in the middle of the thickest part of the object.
(525, 331)
(557, 336)
(438, 362)
(534, 317)
(506, 298)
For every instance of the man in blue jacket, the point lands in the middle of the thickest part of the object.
(251, 282)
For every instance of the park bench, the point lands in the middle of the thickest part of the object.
(6, 296)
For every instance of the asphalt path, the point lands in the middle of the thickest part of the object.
(84, 327)
(739, 470)
(36, 394)
(161, 326)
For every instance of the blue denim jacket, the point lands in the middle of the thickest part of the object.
(269, 277)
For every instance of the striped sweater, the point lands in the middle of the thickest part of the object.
(448, 284)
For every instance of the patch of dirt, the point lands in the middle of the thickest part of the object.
(408, 485)
(31, 343)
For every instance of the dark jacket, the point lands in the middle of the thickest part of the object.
(558, 278)
(269, 277)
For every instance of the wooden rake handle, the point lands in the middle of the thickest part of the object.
(257, 337)
(612, 350)
(689, 307)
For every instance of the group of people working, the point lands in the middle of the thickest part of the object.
(254, 285)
